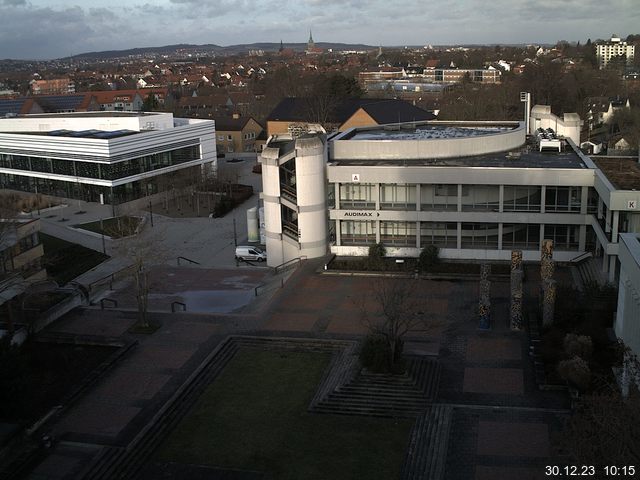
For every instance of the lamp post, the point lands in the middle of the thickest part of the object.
(104, 247)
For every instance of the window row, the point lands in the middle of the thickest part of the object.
(483, 236)
(472, 197)
(111, 171)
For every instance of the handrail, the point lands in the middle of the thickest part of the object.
(114, 303)
(265, 286)
(581, 257)
(111, 277)
(173, 306)
(187, 259)
(288, 264)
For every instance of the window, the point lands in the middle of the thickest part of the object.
(397, 196)
(398, 233)
(482, 197)
(480, 236)
(221, 137)
(444, 235)
(229, 137)
(562, 199)
(353, 232)
(565, 237)
(357, 195)
(439, 197)
(523, 198)
(520, 236)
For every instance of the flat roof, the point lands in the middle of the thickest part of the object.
(427, 132)
(623, 173)
(101, 113)
(527, 157)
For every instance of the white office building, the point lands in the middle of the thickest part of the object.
(477, 190)
(627, 322)
(109, 157)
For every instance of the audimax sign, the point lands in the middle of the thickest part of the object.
(363, 214)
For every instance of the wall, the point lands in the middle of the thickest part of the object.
(359, 119)
(390, 149)
(627, 323)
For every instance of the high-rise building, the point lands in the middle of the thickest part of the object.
(615, 47)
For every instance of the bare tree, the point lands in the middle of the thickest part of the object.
(399, 309)
(142, 250)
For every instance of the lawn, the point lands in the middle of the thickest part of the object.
(65, 261)
(115, 227)
(254, 417)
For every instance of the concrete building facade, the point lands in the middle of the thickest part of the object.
(477, 190)
(109, 157)
(615, 47)
(627, 322)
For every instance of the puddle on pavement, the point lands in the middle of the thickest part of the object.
(215, 301)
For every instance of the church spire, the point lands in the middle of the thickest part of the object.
(310, 44)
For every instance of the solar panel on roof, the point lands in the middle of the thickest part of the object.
(11, 106)
(59, 133)
(113, 134)
(84, 133)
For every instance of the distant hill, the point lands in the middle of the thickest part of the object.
(214, 49)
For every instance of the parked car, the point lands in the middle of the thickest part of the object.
(246, 252)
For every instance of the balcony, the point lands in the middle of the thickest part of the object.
(290, 229)
(289, 192)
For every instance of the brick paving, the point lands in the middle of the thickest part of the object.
(487, 376)
(493, 380)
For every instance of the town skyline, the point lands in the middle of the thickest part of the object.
(50, 29)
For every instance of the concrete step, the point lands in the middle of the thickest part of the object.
(427, 453)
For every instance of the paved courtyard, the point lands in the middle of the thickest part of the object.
(501, 423)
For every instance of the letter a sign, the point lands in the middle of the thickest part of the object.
(355, 177)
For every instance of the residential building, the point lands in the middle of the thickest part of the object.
(295, 114)
(419, 79)
(615, 47)
(119, 100)
(107, 157)
(79, 102)
(237, 134)
(55, 86)
(477, 190)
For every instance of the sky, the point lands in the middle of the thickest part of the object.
(47, 29)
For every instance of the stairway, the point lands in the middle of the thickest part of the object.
(427, 453)
(384, 395)
(590, 272)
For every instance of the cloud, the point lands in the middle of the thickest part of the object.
(35, 31)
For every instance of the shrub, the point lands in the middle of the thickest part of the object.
(377, 253)
(578, 345)
(429, 256)
(575, 371)
(375, 355)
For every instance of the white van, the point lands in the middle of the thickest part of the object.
(246, 252)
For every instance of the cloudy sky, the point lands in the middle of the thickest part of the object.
(43, 29)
